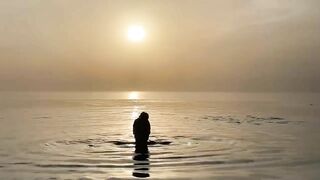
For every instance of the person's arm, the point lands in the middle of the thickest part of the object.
(148, 127)
(134, 128)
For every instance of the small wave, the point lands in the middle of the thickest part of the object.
(269, 151)
(92, 142)
(83, 141)
(4, 155)
(83, 166)
(165, 164)
(176, 137)
(226, 119)
(21, 163)
(249, 119)
(260, 120)
(103, 152)
(42, 117)
(205, 162)
(190, 157)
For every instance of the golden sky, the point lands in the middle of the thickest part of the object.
(230, 45)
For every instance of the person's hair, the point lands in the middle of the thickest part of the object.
(144, 115)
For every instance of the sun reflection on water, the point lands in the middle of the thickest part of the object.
(135, 113)
(133, 95)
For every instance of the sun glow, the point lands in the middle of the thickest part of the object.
(136, 33)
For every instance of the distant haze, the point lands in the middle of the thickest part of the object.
(229, 45)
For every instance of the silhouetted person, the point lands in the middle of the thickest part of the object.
(141, 131)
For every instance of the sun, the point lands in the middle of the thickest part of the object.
(136, 33)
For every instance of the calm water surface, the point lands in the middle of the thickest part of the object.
(213, 135)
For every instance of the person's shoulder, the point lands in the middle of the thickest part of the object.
(136, 120)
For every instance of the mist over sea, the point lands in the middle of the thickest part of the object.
(73, 135)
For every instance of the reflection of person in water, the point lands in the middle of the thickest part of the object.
(141, 165)
(141, 131)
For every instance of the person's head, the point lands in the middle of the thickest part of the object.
(144, 115)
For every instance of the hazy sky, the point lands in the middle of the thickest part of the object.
(229, 45)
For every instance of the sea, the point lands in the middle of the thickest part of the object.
(195, 135)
